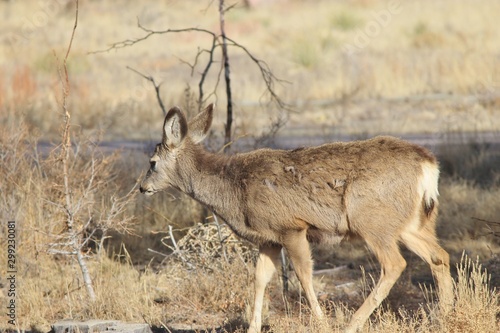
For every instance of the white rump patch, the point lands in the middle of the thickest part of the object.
(428, 186)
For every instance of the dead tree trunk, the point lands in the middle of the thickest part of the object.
(225, 58)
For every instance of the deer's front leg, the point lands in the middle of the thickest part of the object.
(264, 270)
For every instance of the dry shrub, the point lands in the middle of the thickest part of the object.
(476, 304)
(98, 202)
(212, 272)
(206, 246)
(50, 287)
(33, 196)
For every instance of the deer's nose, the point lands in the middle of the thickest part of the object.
(142, 189)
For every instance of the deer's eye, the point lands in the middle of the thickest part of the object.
(152, 165)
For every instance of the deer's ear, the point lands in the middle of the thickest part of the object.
(200, 124)
(174, 128)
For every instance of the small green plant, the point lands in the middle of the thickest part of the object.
(305, 52)
(345, 21)
(420, 28)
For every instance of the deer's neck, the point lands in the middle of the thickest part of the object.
(221, 183)
(210, 182)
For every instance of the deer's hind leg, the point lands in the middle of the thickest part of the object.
(392, 265)
(423, 243)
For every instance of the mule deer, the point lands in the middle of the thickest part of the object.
(383, 190)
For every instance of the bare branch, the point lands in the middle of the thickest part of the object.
(218, 40)
(193, 66)
(172, 238)
(157, 252)
(490, 225)
(205, 72)
(177, 250)
(221, 239)
(69, 47)
(149, 33)
(486, 221)
(156, 86)
(266, 73)
(66, 253)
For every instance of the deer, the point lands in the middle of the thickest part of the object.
(383, 190)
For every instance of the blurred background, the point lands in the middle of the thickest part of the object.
(347, 67)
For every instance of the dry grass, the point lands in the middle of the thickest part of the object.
(195, 285)
(424, 49)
